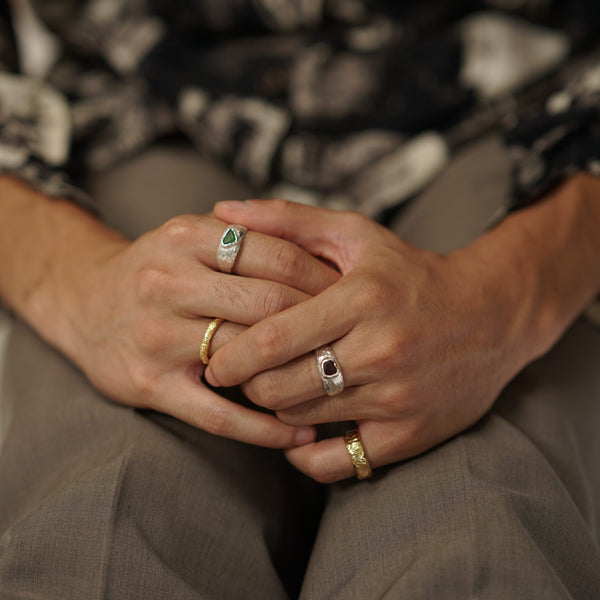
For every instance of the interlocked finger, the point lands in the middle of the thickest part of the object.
(300, 381)
(337, 458)
(206, 410)
(351, 405)
(182, 338)
(273, 259)
(238, 299)
(382, 442)
(232, 249)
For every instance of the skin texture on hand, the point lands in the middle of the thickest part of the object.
(426, 342)
(132, 315)
(147, 329)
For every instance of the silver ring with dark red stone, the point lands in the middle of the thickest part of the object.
(329, 370)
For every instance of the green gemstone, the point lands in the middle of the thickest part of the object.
(229, 237)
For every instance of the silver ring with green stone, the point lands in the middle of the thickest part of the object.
(229, 246)
(329, 370)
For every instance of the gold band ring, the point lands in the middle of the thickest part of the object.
(357, 454)
(208, 335)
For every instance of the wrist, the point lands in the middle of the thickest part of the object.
(545, 265)
(566, 265)
(501, 299)
(79, 283)
(79, 286)
(50, 251)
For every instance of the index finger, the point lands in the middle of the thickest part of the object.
(280, 338)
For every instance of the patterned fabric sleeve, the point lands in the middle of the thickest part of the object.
(35, 120)
(35, 136)
(559, 136)
(344, 103)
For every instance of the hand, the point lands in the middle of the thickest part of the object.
(425, 341)
(142, 311)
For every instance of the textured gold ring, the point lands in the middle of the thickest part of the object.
(208, 335)
(357, 454)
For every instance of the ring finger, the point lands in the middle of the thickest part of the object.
(301, 380)
(183, 338)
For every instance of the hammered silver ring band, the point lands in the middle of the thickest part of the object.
(329, 370)
(229, 246)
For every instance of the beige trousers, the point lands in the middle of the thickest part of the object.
(102, 501)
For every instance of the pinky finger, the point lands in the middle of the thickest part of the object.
(325, 461)
(204, 409)
(384, 443)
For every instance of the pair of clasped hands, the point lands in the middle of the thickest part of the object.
(409, 328)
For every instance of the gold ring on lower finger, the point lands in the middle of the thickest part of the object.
(357, 454)
(208, 335)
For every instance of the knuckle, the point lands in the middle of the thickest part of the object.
(281, 204)
(391, 402)
(217, 421)
(276, 299)
(262, 391)
(226, 289)
(290, 417)
(374, 290)
(270, 341)
(354, 221)
(377, 285)
(142, 381)
(288, 261)
(178, 230)
(151, 283)
(387, 353)
(151, 338)
(226, 333)
(412, 434)
(320, 469)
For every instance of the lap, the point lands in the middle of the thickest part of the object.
(96, 495)
(100, 495)
(102, 499)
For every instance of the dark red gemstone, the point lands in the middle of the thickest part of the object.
(329, 368)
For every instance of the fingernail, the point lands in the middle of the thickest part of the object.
(304, 436)
(233, 204)
(210, 378)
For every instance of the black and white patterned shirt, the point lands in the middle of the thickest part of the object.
(344, 103)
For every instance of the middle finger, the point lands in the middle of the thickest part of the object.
(238, 299)
(265, 257)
